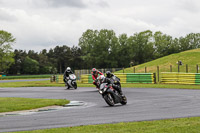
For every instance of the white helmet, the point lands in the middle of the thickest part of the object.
(101, 78)
(68, 69)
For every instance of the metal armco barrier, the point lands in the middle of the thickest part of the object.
(180, 78)
(126, 78)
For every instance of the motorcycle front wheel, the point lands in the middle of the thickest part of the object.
(109, 100)
(75, 85)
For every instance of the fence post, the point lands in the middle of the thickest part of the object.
(123, 69)
(178, 67)
(134, 69)
(158, 72)
(197, 68)
(170, 68)
(113, 70)
(78, 76)
(145, 69)
(154, 76)
(186, 68)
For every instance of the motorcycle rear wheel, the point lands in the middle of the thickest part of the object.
(109, 100)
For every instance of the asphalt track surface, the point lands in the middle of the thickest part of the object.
(143, 104)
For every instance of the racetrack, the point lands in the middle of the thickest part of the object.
(143, 104)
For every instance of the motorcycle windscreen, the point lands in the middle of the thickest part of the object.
(72, 76)
(103, 85)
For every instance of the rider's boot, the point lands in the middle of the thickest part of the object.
(121, 93)
(97, 86)
(118, 89)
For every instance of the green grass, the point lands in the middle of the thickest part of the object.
(45, 83)
(49, 84)
(26, 77)
(190, 57)
(175, 86)
(181, 125)
(9, 104)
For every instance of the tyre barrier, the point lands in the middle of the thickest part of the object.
(180, 78)
(126, 78)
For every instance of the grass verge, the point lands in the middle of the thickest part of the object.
(181, 125)
(189, 57)
(48, 84)
(45, 83)
(9, 104)
(26, 77)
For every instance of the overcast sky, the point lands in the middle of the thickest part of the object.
(44, 24)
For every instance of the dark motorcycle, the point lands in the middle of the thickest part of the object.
(115, 80)
(71, 81)
(110, 95)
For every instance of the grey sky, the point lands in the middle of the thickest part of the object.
(39, 24)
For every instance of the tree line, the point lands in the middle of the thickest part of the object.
(96, 48)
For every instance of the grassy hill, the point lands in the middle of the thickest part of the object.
(190, 57)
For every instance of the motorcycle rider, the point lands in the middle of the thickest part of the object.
(95, 74)
(109, 74)
(116, 86)
(67, 72)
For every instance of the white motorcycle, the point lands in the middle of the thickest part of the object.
(71, 81)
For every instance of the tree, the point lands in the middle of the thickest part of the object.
(86, 43)
(45, 66)
(141, 47)
(52, 60)
(104, 49)
(191, 41)
(98, 48)
(17, 66)
(62, 54)
(6, 54)
(124, 58)
(163, 44)
(30, 66)
(76, 60)
(174, 47)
